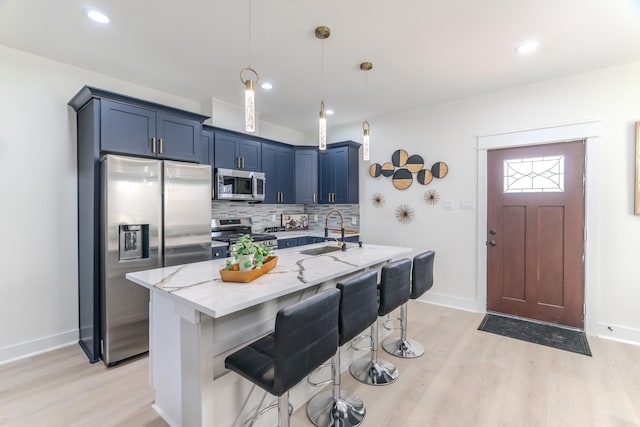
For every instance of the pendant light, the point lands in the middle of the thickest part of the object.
(322, 33)
(365, 66)
(249, 89)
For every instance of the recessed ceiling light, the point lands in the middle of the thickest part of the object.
(329, 112)
(266, 86)
(97, 16)
(527, 47)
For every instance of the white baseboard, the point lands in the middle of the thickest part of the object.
(453, 302)
(619, 333)
(40, 345)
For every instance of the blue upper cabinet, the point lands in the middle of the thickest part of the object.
(235, 152)
(178, 138)
(306, 175)
(278, 166)
(339, 175)
(126, 125)
(206, 152)
(130, 129)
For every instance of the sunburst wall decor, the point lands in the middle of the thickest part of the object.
(377, 200)
(431, 197)
(405, 214)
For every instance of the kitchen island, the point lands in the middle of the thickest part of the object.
(196, 320)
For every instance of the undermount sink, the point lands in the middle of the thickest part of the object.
(320, 251)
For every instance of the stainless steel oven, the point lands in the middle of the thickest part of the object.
(232, 184)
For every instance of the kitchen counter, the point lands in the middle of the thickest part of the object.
(196, 320)
(198, 285)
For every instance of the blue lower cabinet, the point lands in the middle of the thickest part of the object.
(352, 239)
(306, 240)
(287, 243)
(219, 252)
(316, 240)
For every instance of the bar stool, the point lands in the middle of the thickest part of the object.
(394, 288)
(421, 282)
(305, 335)
(358, 310)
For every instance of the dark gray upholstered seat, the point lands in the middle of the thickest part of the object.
(421, 282)
(305, 336)
(394, 291)
(358, 310)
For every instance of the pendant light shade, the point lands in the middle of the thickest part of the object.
(249, 99)
(365, 66)
(322, 33)
(322, 128)
(365, 140)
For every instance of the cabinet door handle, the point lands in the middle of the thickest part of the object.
(243, 163)
(153, 145)
(161, 148)
(314, 197)
(238, 162)
(213, 194)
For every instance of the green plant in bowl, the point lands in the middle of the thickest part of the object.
(249, 254)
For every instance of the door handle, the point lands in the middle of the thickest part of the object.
(490, 243)
(153, 145)
(492, 232)
(161, 148)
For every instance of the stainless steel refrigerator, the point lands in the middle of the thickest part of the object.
(153, 213)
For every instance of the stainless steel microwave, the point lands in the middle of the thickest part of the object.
(233, 184)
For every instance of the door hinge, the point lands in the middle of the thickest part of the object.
(584, 309)
(583, 259)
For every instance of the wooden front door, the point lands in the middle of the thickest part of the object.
(535, 233)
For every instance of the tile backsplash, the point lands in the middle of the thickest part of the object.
(268, 215)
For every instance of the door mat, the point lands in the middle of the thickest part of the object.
(537, 333)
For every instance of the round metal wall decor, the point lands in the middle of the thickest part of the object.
(425, 176)
(405, 214)
(402, 179)
(439, 169)
(377, 200)
(399, 158)
(431, 197)
(415, 163)
(375, 170)
(387, 169)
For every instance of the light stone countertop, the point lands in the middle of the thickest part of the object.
(198, 285)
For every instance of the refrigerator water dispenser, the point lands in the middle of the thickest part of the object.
(134, 242)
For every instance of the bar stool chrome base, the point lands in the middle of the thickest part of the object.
(347, 411)
(369, 372)
(404, 348)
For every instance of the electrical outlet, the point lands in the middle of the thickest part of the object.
(447, 205)
(273, 218)
(354, 220)
(315, 218)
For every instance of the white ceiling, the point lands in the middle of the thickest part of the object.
(423, 51)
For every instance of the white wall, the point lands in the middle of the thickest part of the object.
(449, 132)
(38, 219)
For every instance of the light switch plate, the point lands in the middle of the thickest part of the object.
(447, 205)
(354, 220)
(315, 218)
(466, 204)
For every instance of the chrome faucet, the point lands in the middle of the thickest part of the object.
(343, 246)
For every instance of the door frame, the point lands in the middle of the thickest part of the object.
(589, 131)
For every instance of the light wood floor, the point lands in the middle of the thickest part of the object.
(467, 378)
